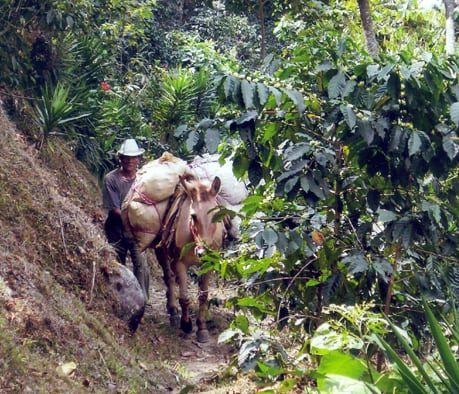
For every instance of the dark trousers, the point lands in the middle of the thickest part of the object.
(115, 235)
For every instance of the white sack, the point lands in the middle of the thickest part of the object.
(158, 178)
(142, 222)
(232, 190)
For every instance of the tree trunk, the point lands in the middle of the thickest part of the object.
(261, 14)
(449, 28)
(367, 25)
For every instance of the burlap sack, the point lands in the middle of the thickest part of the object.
(157, 179)
(142, 222)
(144, 207)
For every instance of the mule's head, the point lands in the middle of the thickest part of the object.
(204, 229)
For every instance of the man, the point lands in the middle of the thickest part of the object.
(115, 188)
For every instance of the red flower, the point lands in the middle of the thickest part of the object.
(105, 86)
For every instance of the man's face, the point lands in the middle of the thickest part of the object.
(130, 162)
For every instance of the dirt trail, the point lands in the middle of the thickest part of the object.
(196, 363)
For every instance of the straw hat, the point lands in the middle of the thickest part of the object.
(130, 148)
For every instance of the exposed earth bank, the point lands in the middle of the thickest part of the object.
(58, 330)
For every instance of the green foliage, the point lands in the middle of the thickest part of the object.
(184, 97)
(232, 34)
(351, 163)
(439, 374)
(354, 190)
(57, 111)
(364, 169)
(254, 345)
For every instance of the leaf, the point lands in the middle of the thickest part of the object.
(247, 94)
(227, 335)
(212, 139)
(267, 370)
(304, 183)
(318, 237)
(366, 131)
(270, 237)
(331, 286)
(336, 85)
(230, 86)
(181, 130)
(240, 165)
(338, 363)
(242, 323)
(192, 140)
(247, 117)
(407, 375)
(449, 361)
(277, 94)
(454, 113)
(297, 99)
(269, 131)
(251, 302)
(357, 263)
(263, 93)
(296, 151)
(333, 383)
(252, 204)
(327, 340)
(450, 146)
(309, 182)
(66, 369)
(414, 143)
(372, 70)
(349, 115)
(246, 356)
(290, 184)
(412, 381)
(383, 268)
(433, 210)
(386, 216)
(349, 88)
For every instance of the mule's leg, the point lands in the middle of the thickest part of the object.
(169, 281)
(185, 322)
(203, 333)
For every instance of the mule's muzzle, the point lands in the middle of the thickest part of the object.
(199, 250)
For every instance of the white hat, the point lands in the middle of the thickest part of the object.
(130, 148)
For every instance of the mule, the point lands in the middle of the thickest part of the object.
(189, 221)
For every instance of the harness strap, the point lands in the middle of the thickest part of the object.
(170, 220)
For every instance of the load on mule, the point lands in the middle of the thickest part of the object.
(167, 208)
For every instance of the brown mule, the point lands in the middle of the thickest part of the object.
(189, 221)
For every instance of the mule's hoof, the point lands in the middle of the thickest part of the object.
(175, 321)
(203, 336)
(186, 326)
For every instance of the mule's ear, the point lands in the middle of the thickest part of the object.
(216, 184)
(186, 178)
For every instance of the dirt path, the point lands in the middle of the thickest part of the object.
(196, 364)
